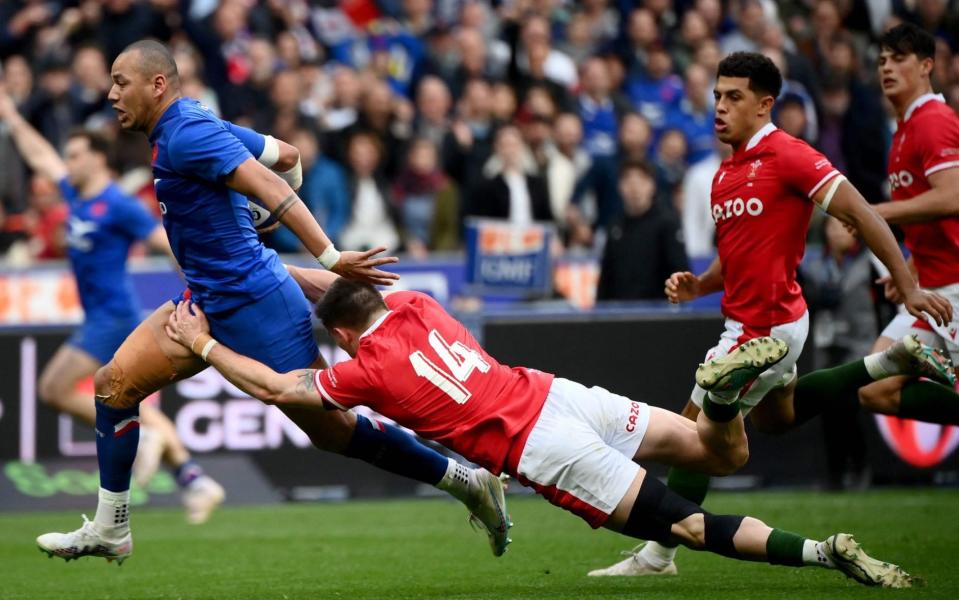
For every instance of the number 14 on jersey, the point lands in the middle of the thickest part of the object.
(460, 363)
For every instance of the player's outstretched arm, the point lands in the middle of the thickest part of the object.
(253, 179)
(39, 155)
(940, 202)
(188, 326)
(841, 200)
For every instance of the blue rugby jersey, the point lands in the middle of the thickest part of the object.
(209, 225)
(100, 231)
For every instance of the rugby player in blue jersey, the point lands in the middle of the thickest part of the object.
(203, 174)
(103, 223)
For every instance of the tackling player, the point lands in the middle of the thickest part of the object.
(762, 199)
(578, 447)
(203, 174)
(103, 224)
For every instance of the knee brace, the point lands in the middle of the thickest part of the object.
(719, 531)
(655, 510)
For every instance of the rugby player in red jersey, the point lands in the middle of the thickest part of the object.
(762, 200)
(578, 447)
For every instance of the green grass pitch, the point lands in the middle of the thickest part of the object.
(424, 549)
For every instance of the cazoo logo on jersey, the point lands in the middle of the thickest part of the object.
(736, 208)
(901, 179)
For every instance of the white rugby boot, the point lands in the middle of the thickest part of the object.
(149, 454)
(86, 541)
(487, 508)
(635, 565)
(920, 359)
(852, 560)
(200, 499)
(741, 366)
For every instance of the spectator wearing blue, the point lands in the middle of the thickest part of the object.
(390, 49)
(325, 192)
(641, 35)
(597, 111)
(694, 115)
(657, 92)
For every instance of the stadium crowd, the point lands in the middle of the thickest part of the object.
(411, 115)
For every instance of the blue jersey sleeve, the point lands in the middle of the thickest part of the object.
(206, 150)
(251, 140)
(133, 218)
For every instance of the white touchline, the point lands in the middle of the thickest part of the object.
(28, 400)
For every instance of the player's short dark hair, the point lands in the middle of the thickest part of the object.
(349, 303)
(764, 78)
(907, 38)
(97, 141)
(155, 58)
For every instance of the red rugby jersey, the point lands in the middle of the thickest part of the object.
(421, 367)
(926, 142)
(761, 206)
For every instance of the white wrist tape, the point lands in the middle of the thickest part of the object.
(271, 152)
(294, 176)
(329, 257)
(207, 347)
(831, 192)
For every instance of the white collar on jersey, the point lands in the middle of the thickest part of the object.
(376, 324)
(759, 135)
(920, 101)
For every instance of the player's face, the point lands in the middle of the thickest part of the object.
(900, 75)
(739, 110)
(80, 161)
(131, 93)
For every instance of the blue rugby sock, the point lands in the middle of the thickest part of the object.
(393, 450)
(118, 435)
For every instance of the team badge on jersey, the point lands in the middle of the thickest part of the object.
(754, 169)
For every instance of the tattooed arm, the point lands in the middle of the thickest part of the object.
(296, 388)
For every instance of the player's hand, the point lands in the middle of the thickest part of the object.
(362, 266)
(186, 323)
(682, 287)
(919, 301)
(889, 290)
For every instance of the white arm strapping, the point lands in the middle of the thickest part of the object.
(271, 152)
(831, 192)
(294, 176)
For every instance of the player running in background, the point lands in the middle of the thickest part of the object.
(923, 171)
(762, 199)
(578, 447)
(203, 175)
(103, 224)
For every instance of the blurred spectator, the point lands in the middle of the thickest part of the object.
(567, 164)
(750, 17)
(474, 61)
(693, 31)
(657, 92)
(372, 222)
(427, 202)
(343, 106)
(644, 246)
(641, 35)
(669, 165)
(469, 143)
(793, 88)
(504, 102)
(509, 190)
(601, 20)
(325, 191)
(694, 114)
(51, 109)
(46, 220)
(191, 79)
(790, 116)
(91, 82)
(536, 59)
(597, 110)
(433, 103)
(699, 229)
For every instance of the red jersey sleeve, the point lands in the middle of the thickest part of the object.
(803, 168)
(939, 149)
(345, 385)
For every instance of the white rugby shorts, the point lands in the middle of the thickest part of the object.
(779, 375)
(945, 337)
(579, 454)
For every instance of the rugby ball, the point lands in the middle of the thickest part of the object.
(263, 219)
